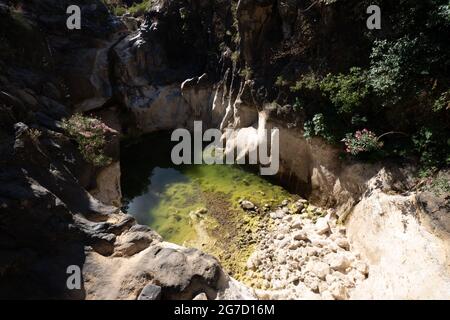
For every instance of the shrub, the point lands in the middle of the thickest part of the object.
(90, 134)
(439, 186)
(442, 103)
(346, 91)
(298, 105)
(246, 73)
(432, 146)
(135, 9)
(391, 66)
(309, 81)
(281, 82)
(361, 141)
(317, 127)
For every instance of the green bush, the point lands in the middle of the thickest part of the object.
(309, 81)
(346, 91)
(432, 145)
(135, 9)
(318, 127)
(443, 102)
(392, 66)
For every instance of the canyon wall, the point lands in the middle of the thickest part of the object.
(48, 219)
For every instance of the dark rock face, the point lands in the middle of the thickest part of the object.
(48, 221)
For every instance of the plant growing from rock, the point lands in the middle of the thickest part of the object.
(362, 141)
(346, 91)
(90, 134)
(317, 127)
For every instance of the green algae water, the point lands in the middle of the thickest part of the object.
(193, 205)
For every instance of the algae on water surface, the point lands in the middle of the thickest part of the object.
(196, 205)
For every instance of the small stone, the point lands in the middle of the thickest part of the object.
(341, 230)
(326, 295)
(279, 214)
(202, 211)
(293, 245)
(297, 224)
(300, 235)
(247, 205)
(323, 286)
(361, 267)
(320, 269)
(150, 292)
(285, 202)
(338, 291)
(322, 226)
(312, 283)
(284, 243)
(338, 262)
(343, 243)
(201, 296)
(281, 259)
(356, 276)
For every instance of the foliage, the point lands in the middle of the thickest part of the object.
(346, 91)
(443, 102)
(90, 134)
(317, 127)
(439, 186)
(138, 8)
(246, 73)
(401, 85)
(428, 144)
(35, 134)
(281, 82)
(298, 105)
(309, 81)
(391, 65)
(361, 141)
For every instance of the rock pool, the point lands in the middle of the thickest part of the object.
(196, 205)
